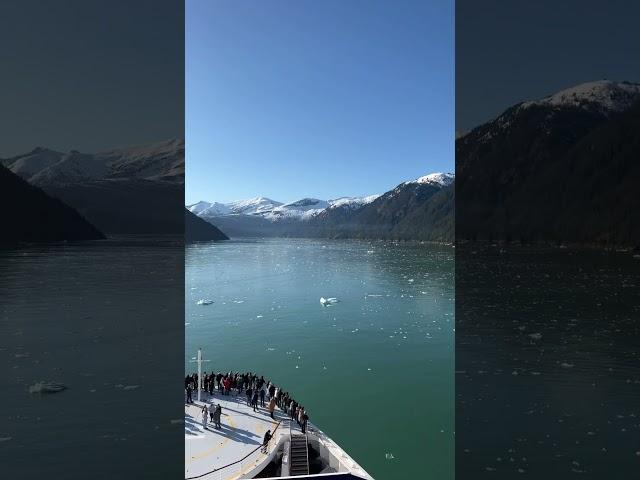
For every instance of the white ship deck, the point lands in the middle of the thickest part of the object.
(241, 433)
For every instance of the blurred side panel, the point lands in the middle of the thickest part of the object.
(547, 239)
(92, 244)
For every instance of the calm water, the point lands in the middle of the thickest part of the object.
(375, 371)
(547, 364)
(105, 319)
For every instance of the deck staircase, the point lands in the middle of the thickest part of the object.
(298, 455)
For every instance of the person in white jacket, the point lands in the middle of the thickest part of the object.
(205, 416)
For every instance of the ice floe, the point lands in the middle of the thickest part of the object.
(47, 387)
(328, 301)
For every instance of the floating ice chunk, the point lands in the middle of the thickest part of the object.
(131, 387)
(535, 336)
(566, 365)
(5, 439)
(203, 301)
(47, 387)
(328, 301)
(389, 456)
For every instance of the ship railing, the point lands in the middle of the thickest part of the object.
(243, 466)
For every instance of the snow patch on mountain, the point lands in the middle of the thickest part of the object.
(300, 209)
(253, 206)
(74, 167)
(605, 95)
(198, 207)
(161, 161)
(442, 179)
(158, 161)
(352, 202)
(207, 209)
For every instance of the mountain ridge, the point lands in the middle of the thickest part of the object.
(114, 189)
(515, 171)
(374, 216)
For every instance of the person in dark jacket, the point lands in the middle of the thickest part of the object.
(265, 441)
(189, 388)
(303, 423)
(254, 401)
(216, 417)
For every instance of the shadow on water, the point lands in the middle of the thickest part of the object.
(547, 372)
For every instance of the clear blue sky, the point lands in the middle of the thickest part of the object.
(288, 99)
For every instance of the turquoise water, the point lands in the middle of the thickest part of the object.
(375, 371)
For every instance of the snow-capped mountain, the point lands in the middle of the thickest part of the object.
(253, 206)
(442, 179)
(300, 209)
(529, 174)
(351, 202)
(272, 210)
(113, 189)
(206, 209)
(580, 106)
(412, 210)
(162, 161)
(603, 95)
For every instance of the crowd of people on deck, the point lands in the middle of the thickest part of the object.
(259, 392)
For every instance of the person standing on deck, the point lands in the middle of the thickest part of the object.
(219, 379)
(265, 441)
(272, 406)
(249, 395)
(205, 415)
(262, 396)
(272, 391)
(189, 392)
(217, 414)
(254, 400)
(211, 412)
(305, 419)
